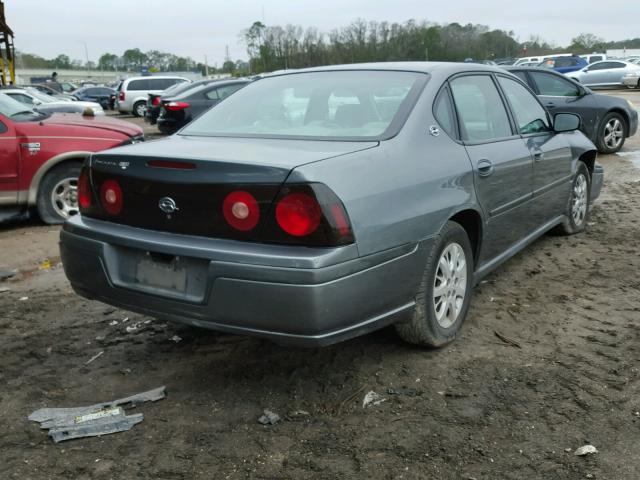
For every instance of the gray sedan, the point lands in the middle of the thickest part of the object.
(315, 206)
(608, 73)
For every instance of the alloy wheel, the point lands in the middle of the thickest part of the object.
(450, 285)
(580, 199)
(613, 133)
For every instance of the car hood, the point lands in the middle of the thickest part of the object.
(101, 123)
(280, 153)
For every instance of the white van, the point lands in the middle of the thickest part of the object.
(133, 92)
(594, 57)
(539, 58)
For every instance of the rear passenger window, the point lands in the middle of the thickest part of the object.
(212, 94)
(224, 92)
(481, 112)
(443, 111)
(530, 115)
(138, 85)
(521, 75)
(552, 85)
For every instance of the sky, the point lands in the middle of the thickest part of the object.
(199, 28)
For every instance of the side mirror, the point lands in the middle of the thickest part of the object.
(566, 122)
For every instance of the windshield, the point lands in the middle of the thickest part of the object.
(10, 107)
(360, 104)
(43, 97)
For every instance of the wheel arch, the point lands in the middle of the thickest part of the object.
(75, 157)
(471, 221)
(623, 114)
(589, 159)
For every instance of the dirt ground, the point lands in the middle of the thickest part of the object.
(478, 409)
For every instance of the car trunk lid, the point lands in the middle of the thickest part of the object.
(179, 184)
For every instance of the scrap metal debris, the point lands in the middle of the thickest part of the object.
(97, 355)
(4, 274)
(507, 340)
(372, 398)
(585, 450)
(269, 418)
(94, 420)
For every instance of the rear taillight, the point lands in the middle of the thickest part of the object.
(84, 189)
(156, 101)
(241, 210)
(121, 96)
(311, 214)
(301, 214)
(111, 197)
(298, 214)
(176, 106)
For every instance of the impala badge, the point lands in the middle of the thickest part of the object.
(168, 206)
(433, 130)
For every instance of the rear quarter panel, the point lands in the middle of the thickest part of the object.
(404, 190)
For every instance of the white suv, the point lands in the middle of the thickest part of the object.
(133, 92)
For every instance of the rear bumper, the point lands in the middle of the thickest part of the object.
(633, 123)
(292, 295)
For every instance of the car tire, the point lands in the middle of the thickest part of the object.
(166, 130)
(139, 109)
(578, 204)
(57, 195)
(437, 319)
(615, 125)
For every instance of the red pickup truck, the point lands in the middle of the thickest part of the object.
(41, 156)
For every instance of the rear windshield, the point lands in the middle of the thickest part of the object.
(343, 105)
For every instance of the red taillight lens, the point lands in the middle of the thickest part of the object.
(84, 189)
(298, 214)
(121, 96)
(111, 197)
(176, 106)
(241, 211)
(156, 101)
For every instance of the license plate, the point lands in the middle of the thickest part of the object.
(170, 275)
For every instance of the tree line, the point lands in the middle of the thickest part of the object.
(276, 47)
(131, 60)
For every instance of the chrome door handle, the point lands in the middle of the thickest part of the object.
(485, 168)
(538, 156)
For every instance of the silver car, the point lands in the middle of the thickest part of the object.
(608, 73)
(315, 206)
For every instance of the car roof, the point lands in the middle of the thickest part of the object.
(442, 68)
(161, 77)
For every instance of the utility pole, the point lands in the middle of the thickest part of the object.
(86, 54)
(206, 67)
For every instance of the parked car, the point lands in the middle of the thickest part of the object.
(153, 99)
(99, 95)
(538, 58)
(178, 109)
(632, 79)
(608, 73)
(47, 90)
(315, 206)
(133, 92)
(32, 98)
(42, 155)
(607, 121)
(564, 64)
(594, 57)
